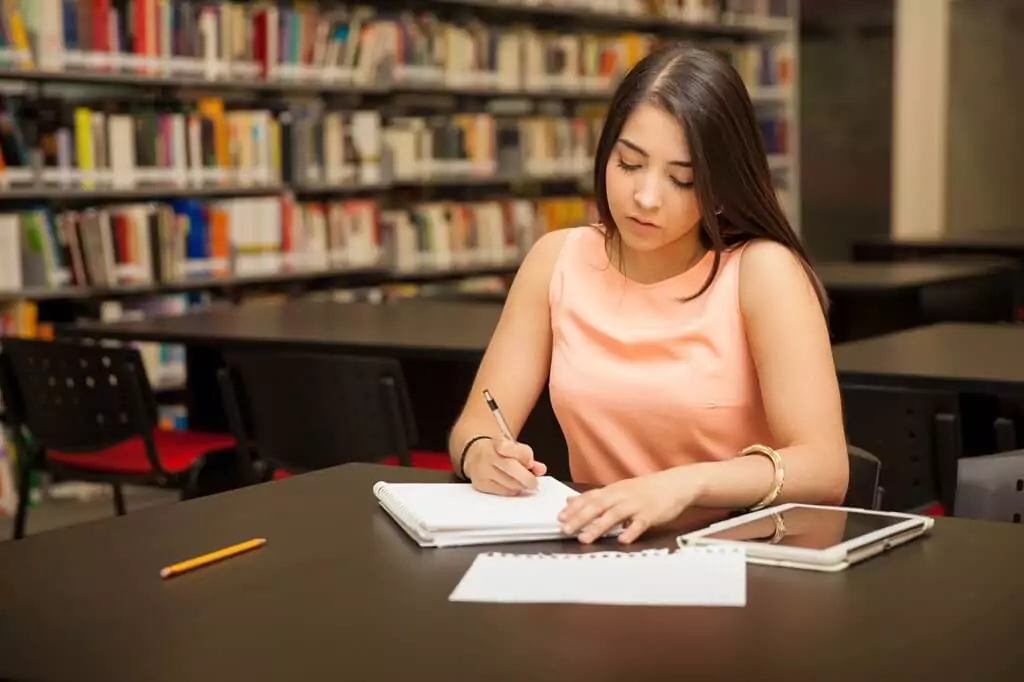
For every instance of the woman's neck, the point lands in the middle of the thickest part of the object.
(670, 260)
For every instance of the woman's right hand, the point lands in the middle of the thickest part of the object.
(502, 467)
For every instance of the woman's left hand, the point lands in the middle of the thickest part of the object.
(638, 503)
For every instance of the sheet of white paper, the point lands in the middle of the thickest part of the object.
(692, 576)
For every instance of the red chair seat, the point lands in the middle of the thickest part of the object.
(419, 459)
(177, 451)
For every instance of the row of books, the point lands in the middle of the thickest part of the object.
(187, 240)
(775, 131)
(124, 145)
(451, 234)
(149, 243)
(21, 318)
(121, 144)
(764, 67)
(483, 145)
(713, 12)
(326, 44)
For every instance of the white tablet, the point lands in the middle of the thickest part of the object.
(813, 537)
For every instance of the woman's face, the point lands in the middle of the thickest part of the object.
(649, 182)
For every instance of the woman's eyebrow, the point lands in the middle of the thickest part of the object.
(639, 150)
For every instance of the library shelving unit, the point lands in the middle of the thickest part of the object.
(153, 148)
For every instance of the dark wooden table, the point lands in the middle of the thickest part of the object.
(340, 593)
(843, 278)
(868, 299)
(979, 358)
(980, 367)
(439, 344)
(1007, 243)
(414, 328)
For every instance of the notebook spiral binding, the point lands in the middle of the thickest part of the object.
(389, 501)
(381, 490)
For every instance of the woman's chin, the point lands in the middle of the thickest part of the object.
(641, 238)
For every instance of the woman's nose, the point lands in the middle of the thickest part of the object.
(647, 195)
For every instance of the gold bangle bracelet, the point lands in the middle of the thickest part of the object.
(780, 529)
(777, 465)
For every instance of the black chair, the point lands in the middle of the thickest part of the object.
(1004, 429)
(304, 411)
(864, 490)
(991, 487)
(915, 434)
(87, 412)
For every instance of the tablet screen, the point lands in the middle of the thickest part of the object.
(808, 527)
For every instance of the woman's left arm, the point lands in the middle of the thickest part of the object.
(789, 341)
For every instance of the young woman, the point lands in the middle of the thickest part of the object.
(683, 339)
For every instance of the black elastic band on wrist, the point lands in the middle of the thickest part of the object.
(461, 472)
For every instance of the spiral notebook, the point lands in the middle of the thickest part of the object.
(691, 576)
(455, 514)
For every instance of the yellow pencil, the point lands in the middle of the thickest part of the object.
(206, 559)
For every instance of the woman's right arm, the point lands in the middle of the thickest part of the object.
(514, 369)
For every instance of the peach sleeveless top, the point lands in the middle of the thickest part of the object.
(640, 381)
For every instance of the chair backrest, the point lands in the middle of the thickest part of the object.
(863, 490)
(74, 397)
(305, 411)
(991, 487)
(1005, 431)
(915, 435)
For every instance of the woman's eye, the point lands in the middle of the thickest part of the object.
(628, 167)
(682, 185)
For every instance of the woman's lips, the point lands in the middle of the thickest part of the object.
(644, 224)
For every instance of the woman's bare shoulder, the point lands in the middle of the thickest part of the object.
(539, 264)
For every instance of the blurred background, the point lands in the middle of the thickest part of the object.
(162, 157)
(909, 119)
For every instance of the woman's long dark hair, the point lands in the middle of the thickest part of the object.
(732, 181)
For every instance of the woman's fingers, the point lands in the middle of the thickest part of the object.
(493, 472)
(521, 452)
(592, 515)
(637, 527)
(600, 499)
(571, 507)
(494, 486)
(514, 472)
(605, 522)
(582, 510)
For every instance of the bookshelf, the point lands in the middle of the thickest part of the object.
(457, 125)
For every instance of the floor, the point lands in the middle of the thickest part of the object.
(66, 506)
